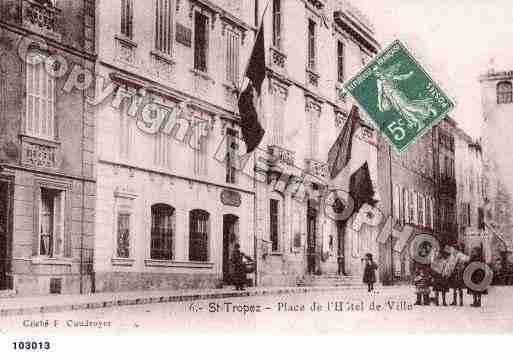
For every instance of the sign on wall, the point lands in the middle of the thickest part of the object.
(230, 198)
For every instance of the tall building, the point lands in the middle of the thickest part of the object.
(171, 202)
(313, 47)
(47, 135)
(471, 195)
(497, 97)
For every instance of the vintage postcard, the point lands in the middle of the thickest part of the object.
(254, 167)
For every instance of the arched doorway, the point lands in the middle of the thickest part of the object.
(230, 237)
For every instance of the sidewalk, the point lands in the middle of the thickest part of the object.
(67, 302)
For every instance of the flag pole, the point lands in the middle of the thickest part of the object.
(239, 87)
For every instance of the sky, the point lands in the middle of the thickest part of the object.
(455, 40)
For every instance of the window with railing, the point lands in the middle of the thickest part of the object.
(162, 231)
(199, 221)
(164, 26)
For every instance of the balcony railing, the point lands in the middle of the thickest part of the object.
(278, 58)
(317, 168)
(282, 154)
(40, 16)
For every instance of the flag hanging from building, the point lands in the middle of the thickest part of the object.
(340, 152)
(250, 98)
(361, 188)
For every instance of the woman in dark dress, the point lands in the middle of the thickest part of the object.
(239, 269)
(369, 273)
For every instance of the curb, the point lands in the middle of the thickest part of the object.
(172, 298)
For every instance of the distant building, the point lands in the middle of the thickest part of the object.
(47, 136)
(497, 95)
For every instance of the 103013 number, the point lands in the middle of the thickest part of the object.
(31, 345)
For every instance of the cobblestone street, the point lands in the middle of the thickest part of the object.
(351, 311)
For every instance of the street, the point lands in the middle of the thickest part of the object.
(389, 309)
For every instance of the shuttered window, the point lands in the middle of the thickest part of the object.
(312, 61)
(340, 61)
(277, 23)
(274, 213)
(127, 16)
(232, 57)
(232, 155)
(40, 107)
(504, 92)
(200, 42)
(164, 26)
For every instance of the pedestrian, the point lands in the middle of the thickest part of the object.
(369, 273)
(239, 268)
(440, 276)
(422, 282)
(456, 279)
(477, 276)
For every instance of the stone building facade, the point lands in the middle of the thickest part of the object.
(313, 46)
(497, 97)
(409, 202)
(47, 135)
(170, 204)
(445, 176)
(471, 195)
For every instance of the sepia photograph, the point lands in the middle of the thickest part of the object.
(277, 167)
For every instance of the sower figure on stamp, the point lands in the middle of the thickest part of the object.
(369, 273)
(239, 269)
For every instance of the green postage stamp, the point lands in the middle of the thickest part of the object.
(399, 96)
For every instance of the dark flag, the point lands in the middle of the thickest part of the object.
(340, 153)
(361, 188)
(249, 100)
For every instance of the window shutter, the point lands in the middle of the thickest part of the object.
(58, 221)
(36, 241)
